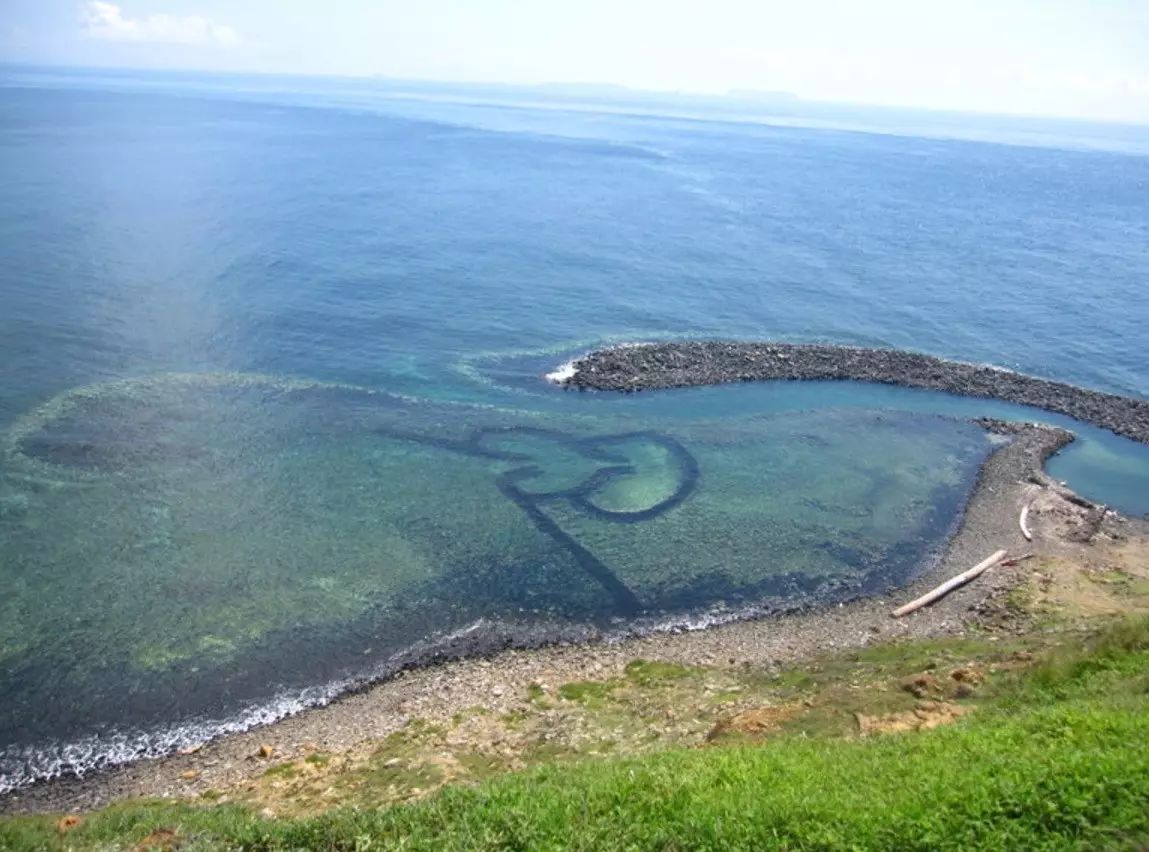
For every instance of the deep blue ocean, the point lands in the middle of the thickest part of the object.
(271, 354)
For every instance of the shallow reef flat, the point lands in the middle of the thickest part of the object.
(193, 554)
(464, 720)
(794, 509)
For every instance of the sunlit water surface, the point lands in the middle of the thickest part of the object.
(270, 358)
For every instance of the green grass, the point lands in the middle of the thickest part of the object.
(1057, 758)
(652, 673)
(280, 770)
(589, 692)
(1112, 662)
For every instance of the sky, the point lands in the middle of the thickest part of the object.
(1075, 58)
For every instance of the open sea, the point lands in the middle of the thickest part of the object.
(273, 421)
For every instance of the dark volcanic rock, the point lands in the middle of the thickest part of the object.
(682, 364)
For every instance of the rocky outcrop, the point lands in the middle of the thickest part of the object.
(681, 364)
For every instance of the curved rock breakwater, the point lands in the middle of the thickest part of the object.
(650, 366)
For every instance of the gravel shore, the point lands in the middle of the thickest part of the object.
(1008, 480)
(648, 366)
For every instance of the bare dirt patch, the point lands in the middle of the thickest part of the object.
(926, 715)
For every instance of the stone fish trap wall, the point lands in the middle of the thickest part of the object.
(683, 364)
(580, 495)
(512, 478)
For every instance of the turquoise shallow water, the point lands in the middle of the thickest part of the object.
(270, 375)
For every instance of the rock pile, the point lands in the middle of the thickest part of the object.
(686, 363)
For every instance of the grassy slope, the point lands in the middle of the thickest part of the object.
(1057, 757)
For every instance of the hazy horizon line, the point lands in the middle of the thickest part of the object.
(736, 95)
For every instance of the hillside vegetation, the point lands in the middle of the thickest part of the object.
(1051, 751)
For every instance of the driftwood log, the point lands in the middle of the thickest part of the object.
(949, 585)
(1023, 522)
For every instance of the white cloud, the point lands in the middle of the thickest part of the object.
(106, 21)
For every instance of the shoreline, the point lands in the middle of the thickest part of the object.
(49, 761)
(655, 366)
(989, 521)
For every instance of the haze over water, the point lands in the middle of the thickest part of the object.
(271, 357)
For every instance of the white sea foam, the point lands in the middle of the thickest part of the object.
(22, 766)
(569, 369)
(563, 374)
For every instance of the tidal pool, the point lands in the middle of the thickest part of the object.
(188, 554)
